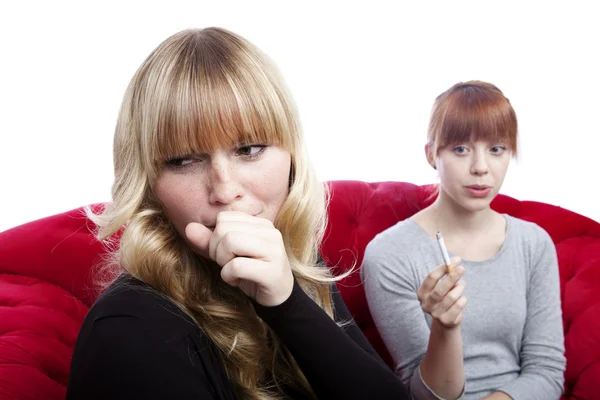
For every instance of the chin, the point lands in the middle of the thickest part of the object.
(475, 205)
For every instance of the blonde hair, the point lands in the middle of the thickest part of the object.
(201, 90)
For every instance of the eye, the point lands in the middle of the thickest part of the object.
(180, 162)
(460, 149)
(251, 151)
(498, 149)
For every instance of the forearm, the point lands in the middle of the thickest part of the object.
(333, 363)
(442, 367)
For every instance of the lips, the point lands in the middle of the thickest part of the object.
(479, 187)
(479, 191)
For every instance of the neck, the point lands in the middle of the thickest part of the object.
(451, 218)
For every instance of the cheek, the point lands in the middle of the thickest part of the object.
(448, 173)
(177, 199)
(275, 187)
(502, 168)
(274, 183)
(163, 191)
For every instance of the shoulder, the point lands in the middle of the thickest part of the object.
(535, 245)
(396, 250)
(133, 326)
(132, 300)
(134, 343)
(529, 233)
(392, 239)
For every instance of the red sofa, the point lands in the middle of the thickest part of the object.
(46, 268)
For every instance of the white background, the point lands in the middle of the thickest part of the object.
(364, 76)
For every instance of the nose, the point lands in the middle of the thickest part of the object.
(480, 164)
(224, 185)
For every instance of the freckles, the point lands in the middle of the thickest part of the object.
(174, 194)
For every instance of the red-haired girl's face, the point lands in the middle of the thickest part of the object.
(471, 174)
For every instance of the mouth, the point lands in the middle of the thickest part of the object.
(479, 191)
(479, 187)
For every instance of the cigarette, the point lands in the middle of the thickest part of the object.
(444, 251)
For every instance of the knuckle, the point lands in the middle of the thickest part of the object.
(275, 234)
(236, 265)
(420, 295)
(455, 277)
(229, 238)
(452, 296)
(426, 306)
(219, 230)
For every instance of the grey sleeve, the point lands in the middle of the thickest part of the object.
(396, 310)
(542, 348)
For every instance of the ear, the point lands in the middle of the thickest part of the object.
(429, 155)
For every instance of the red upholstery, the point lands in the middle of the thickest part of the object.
(46, 268)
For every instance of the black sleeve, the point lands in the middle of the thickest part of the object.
(121, 359)
(338, 363)
(342, 314)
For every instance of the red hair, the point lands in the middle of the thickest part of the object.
(471, 111)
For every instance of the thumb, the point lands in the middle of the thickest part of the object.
(199, 237)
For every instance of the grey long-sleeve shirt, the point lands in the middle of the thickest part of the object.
(512, 325)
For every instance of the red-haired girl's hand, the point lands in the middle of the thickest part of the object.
(444, 299)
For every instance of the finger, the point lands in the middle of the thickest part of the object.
(248, 269)
(242, 244)
(432, 278)
(238, 216)
(274, 285)
(453, 316)
(235, 220)
(446, 284)
(222, 227)
(236, 246)
(449, 282)
(454, 262)
(452, 296)
(199, 237)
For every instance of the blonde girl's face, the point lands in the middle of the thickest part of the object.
(251, 178)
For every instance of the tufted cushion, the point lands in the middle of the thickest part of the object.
(46, 270)
(45, 292)
(360, 210)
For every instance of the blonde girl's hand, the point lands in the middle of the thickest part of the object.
(251, 254)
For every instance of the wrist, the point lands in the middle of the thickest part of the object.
(444, 330)
(267, 312)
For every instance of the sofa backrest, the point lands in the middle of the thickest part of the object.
(46, 269)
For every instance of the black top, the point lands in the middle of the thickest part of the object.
(135, 343)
